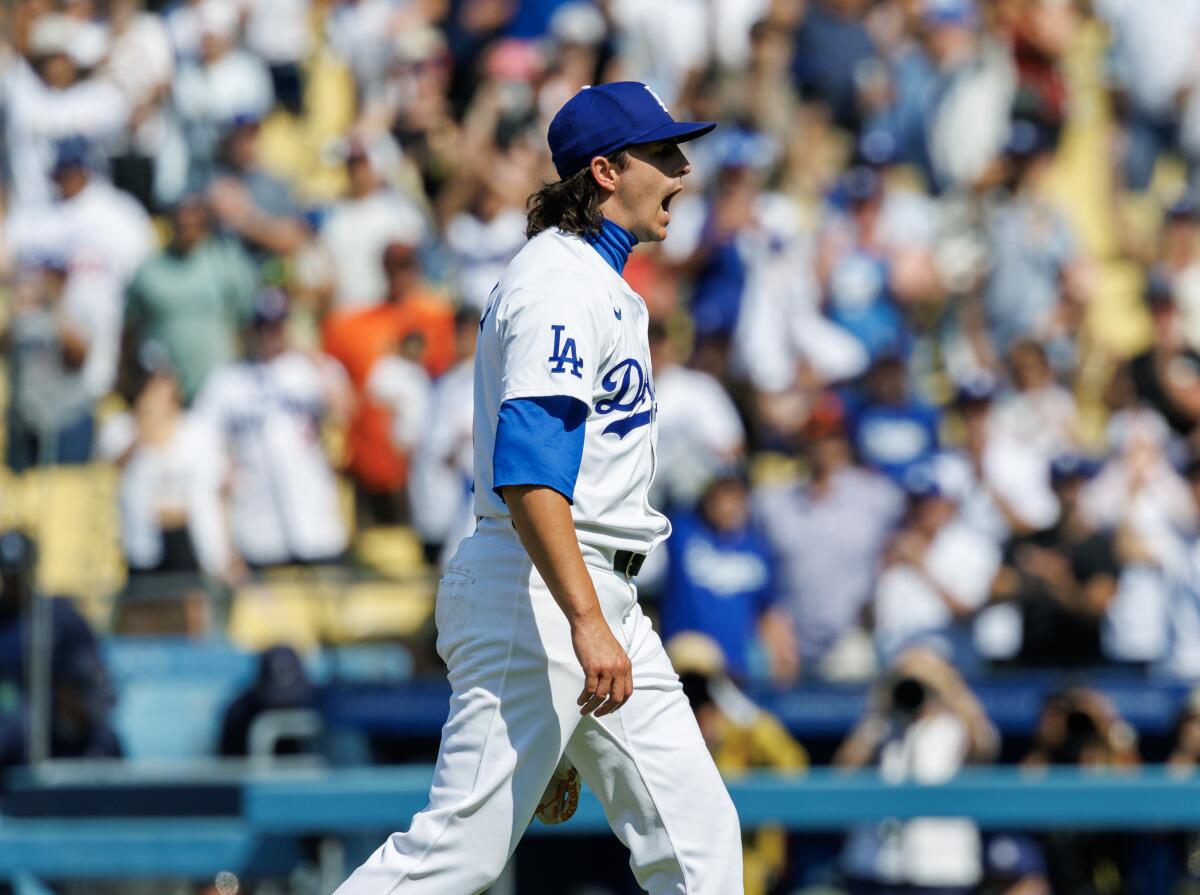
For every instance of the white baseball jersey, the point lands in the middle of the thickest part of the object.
(561, 321)
(284, 504)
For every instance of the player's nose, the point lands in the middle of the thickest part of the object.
(680, 164)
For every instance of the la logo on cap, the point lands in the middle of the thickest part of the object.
(657, 98)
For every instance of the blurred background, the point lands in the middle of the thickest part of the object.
(926, 343)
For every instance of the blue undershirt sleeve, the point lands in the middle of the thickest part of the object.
(539, 441)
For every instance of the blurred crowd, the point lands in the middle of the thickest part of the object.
(245, 246)
(925, 329)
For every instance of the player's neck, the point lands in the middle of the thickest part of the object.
(614, 243)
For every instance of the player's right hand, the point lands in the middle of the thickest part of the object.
(607, 671)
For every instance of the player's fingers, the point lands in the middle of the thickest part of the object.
(617, 697)
(603, 688)
(589, 688)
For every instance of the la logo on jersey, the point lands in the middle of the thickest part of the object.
(565, 354)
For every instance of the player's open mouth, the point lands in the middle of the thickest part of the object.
(666, 202)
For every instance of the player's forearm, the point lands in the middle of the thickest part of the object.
(543, 521)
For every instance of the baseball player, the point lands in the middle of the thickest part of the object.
(549, 654)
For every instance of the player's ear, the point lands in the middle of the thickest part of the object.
(605, 173)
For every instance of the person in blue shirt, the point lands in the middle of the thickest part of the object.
(892, 431)
(720, 581)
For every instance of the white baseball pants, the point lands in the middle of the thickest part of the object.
(513, 713)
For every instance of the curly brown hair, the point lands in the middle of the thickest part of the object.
(571, 204)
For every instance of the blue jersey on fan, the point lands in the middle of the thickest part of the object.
(718, 583)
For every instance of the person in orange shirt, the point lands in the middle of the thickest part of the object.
(358, 339)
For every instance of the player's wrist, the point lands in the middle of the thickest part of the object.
(584, 616)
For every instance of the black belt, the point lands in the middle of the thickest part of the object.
(628, 563)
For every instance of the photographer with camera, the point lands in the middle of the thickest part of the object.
(923, 725)
(1080, 727)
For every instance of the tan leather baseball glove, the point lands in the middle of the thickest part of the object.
(561, 797)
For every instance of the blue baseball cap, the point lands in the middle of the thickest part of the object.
(72, 152)
(603, 119)
(270, 306)
(920, 482)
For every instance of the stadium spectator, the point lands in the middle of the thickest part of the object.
(690, 444)
(484, 236)
(170, 477)
(280, 685)
(1177, 261)
(248, 202)
(1183, 583)
(48, 98)
(1038, 283)
(827, 535)
(141, 62)
(893, 431)
(370, 218)
(193, 298)
(967, 116)
(1151, 70)
(1002, 485)
(80, 693)
(874, 250)
(1038, 412)
(926, 725)
(1166, 376)
(1081, 727)
(441, 487)
(938, 574)
(720, 581)
(761, 91)
(222, 83)
(1139, 495)
(50, 409)
(266, 412)
(103, 236)
(100, 229)
(399, 384)
(1057, 583)
(359, 339)
(834, 58)
(279, 33)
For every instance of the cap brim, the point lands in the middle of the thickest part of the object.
(676, 131)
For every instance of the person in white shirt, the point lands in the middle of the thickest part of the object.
(279, 33)
(1040, 413)
(1002, 485)
(1153, 64)
(938, 575)
(104, 235)
(225, 83)
(266, 413)
(362, 225)
(399, 383)
(925, 726)
(170, 478)
(482, 240)
(45, 100)
(1139, 494)
(691, 443)
(89, 220)
(141, 62)
(441, 483)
